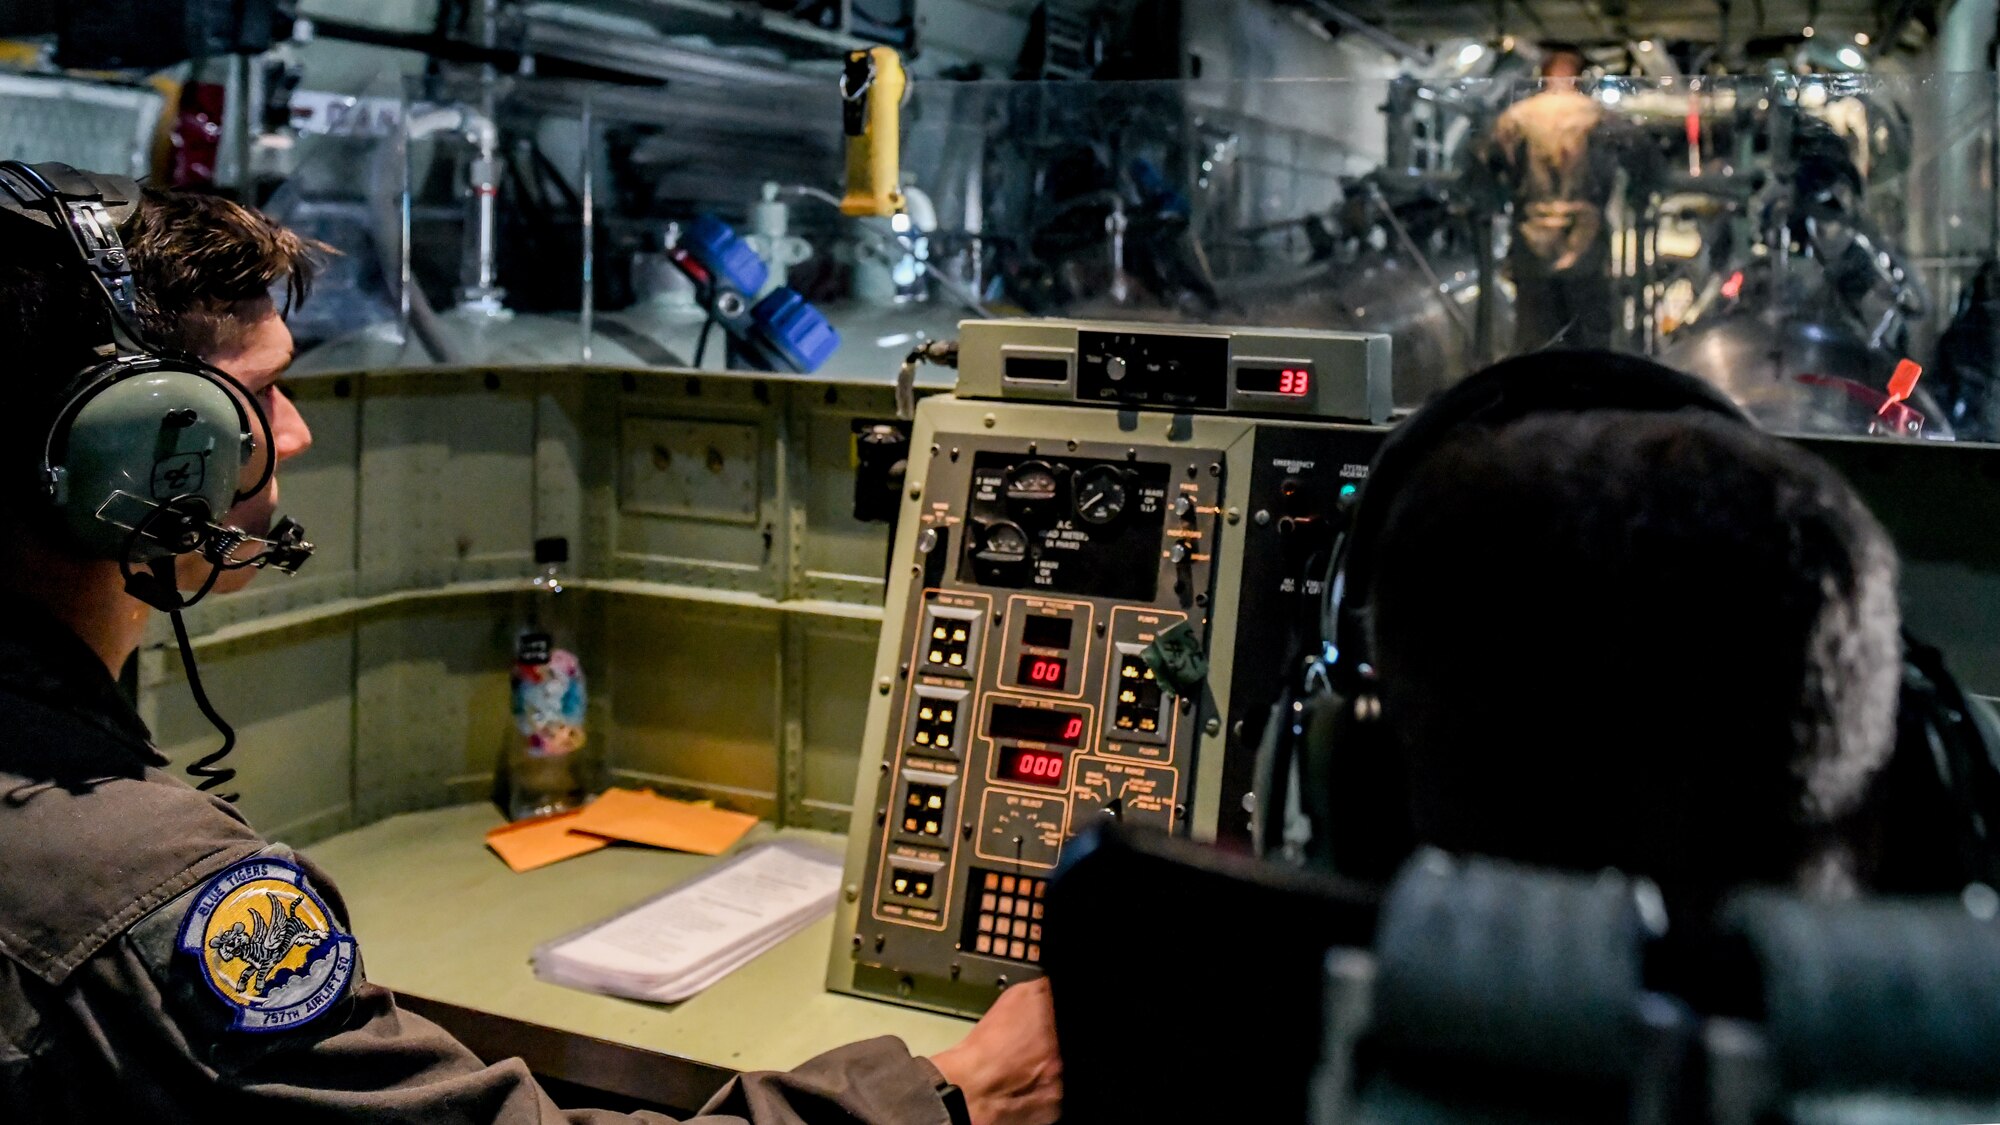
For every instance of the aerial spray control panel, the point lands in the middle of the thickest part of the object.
(1065, 627)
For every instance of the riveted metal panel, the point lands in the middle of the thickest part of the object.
(693, 529)
(694, 699)
(447, 464)
(834, 556)
(431, 700)
(290, 697)
(833, 690)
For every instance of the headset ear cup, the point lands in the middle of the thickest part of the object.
(1356, 788)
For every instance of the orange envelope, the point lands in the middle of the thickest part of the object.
(648, 818)
(529, 844)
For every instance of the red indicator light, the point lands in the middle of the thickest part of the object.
(1041, 671)
(1034, 767)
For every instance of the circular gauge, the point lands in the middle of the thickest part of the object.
(1100, 494)
(1003, 542)
(1031, 480)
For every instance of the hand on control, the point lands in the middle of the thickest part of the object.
(1007, 1064)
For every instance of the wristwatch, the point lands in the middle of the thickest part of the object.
(954, 1104)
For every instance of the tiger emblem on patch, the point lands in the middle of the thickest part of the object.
(267, 945)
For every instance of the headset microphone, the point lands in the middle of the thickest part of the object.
(148, 451)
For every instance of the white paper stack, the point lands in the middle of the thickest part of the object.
(674, 945)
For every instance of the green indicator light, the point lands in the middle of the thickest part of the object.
(1347, 490)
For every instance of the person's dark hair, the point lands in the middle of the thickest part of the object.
(1663, 643)
(200, 257)
(1562, 60)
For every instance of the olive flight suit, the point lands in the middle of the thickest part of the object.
(159, 962)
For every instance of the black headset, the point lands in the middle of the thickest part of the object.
(1329, 782)
(148, 450)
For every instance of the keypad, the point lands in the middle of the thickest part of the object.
(1003, 915)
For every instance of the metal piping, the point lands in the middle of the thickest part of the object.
(1348, 21)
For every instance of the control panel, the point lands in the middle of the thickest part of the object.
(1244, 371)
(1072, 612)
(1031, 696)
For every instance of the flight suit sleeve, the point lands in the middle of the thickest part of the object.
(172, 1023)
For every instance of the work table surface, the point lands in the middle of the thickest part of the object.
(437, 915)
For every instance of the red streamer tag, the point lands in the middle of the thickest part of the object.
(1903, 382)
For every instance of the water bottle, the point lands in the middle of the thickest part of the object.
(550, 767)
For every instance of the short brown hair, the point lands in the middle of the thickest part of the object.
(198, 258)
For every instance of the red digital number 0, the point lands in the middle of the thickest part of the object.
(1074, 727)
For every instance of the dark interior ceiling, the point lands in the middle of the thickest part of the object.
(1615, 21)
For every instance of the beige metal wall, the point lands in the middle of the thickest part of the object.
(726, 611)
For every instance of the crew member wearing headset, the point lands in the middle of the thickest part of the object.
(159, 961)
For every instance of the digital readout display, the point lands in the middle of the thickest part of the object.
(1041, 671)
(1046, 632)
(1035, 724)
(1292, 382)
(1033, 767)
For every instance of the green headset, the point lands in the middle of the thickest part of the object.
(146, 451)
(1330, 787)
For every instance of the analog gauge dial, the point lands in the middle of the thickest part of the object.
(1031, 481)
(1003, 542)
(1100, 494)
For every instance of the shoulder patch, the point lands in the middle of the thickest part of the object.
(267, 945)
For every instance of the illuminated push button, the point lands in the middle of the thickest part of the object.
(932, 828)
(1039, 888)
(1038, 906)
(1034, 952)
(992, 883)
(1006, 884)
(1021, 906)
(902, 885)
(986, 900)
(1035, 931)
(1017, 950)
(910, 824)
(985, 944)
(1020, 928)
(986, 923)
(925, 713)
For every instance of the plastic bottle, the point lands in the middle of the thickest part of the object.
(551, 767)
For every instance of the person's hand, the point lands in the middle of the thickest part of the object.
(1007, 1064)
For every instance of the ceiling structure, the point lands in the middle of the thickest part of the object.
(1604, 22)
